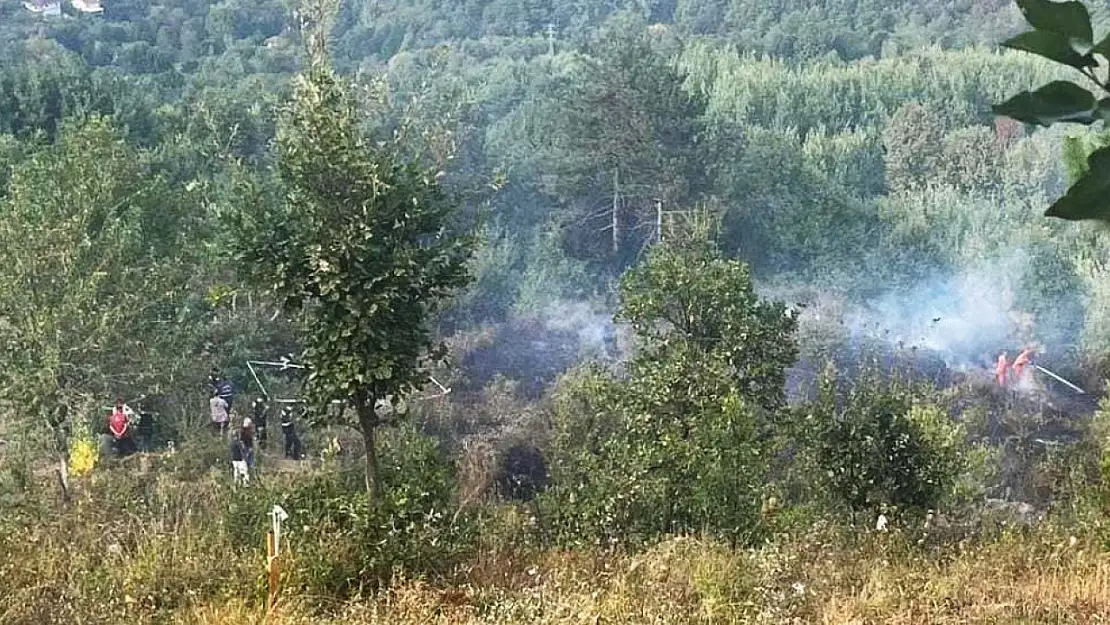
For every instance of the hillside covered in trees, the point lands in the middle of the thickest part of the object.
(671, 294)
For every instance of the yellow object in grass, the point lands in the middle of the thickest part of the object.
(84, 450)
(82, 457)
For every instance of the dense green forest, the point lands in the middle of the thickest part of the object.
(733, 268)
(586, 130)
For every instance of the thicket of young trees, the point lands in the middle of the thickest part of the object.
(162, 212)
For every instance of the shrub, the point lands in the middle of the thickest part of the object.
(675, 445)
(342, 544)
(881, 445)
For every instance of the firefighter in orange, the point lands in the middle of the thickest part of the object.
(1002, 368)
(1021, 362)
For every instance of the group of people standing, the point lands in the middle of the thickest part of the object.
(253, 428)
(127, 431)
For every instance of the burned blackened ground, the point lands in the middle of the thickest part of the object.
(534, 353)
(522, 473)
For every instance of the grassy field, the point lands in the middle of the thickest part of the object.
(1032, 579)
(147, 544)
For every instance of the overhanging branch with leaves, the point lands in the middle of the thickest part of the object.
(1062, 32)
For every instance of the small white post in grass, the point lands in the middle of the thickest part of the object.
(277, 515)
(273, 545)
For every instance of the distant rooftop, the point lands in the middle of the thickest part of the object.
(88, 6)
(46, 7)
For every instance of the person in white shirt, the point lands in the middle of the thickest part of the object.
(220, 417)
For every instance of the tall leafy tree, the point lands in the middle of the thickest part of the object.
(625, 136)
(363, 248)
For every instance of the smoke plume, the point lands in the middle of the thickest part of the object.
(966, 318)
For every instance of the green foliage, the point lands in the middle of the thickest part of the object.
(495, 268)
(847, 147)
(549, 276)
(1097, 445)
(881, 446)
(774, 93)
(344, 545)
(1063, 33)
(688, 298)
(365, 242)
(1086, 198)
(10, 153)
(627, 468)
(1077, 149)
(94, 254)
(625, 129)
(673, 446)
(364, 248)
(850, 159)
(912, 142)
(972, 160)
(481, 104)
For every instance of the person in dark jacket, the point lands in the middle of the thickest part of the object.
(221, 386)
(289, 434)
(240, 457)
(259, 411)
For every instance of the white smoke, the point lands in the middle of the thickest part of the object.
(592, 325)
(963, 318)
(966, 318)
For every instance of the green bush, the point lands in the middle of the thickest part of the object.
(878, 445)
(627, 468)
(1081, 494)
(342, 545)
(674, 445)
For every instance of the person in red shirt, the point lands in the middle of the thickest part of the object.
(119, 426)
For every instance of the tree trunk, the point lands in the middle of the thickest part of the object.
(616, 211)
(63, 479)
(658, 221)
(368, 423)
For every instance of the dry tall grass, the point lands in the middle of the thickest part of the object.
(1013, 580)
(157, 551)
